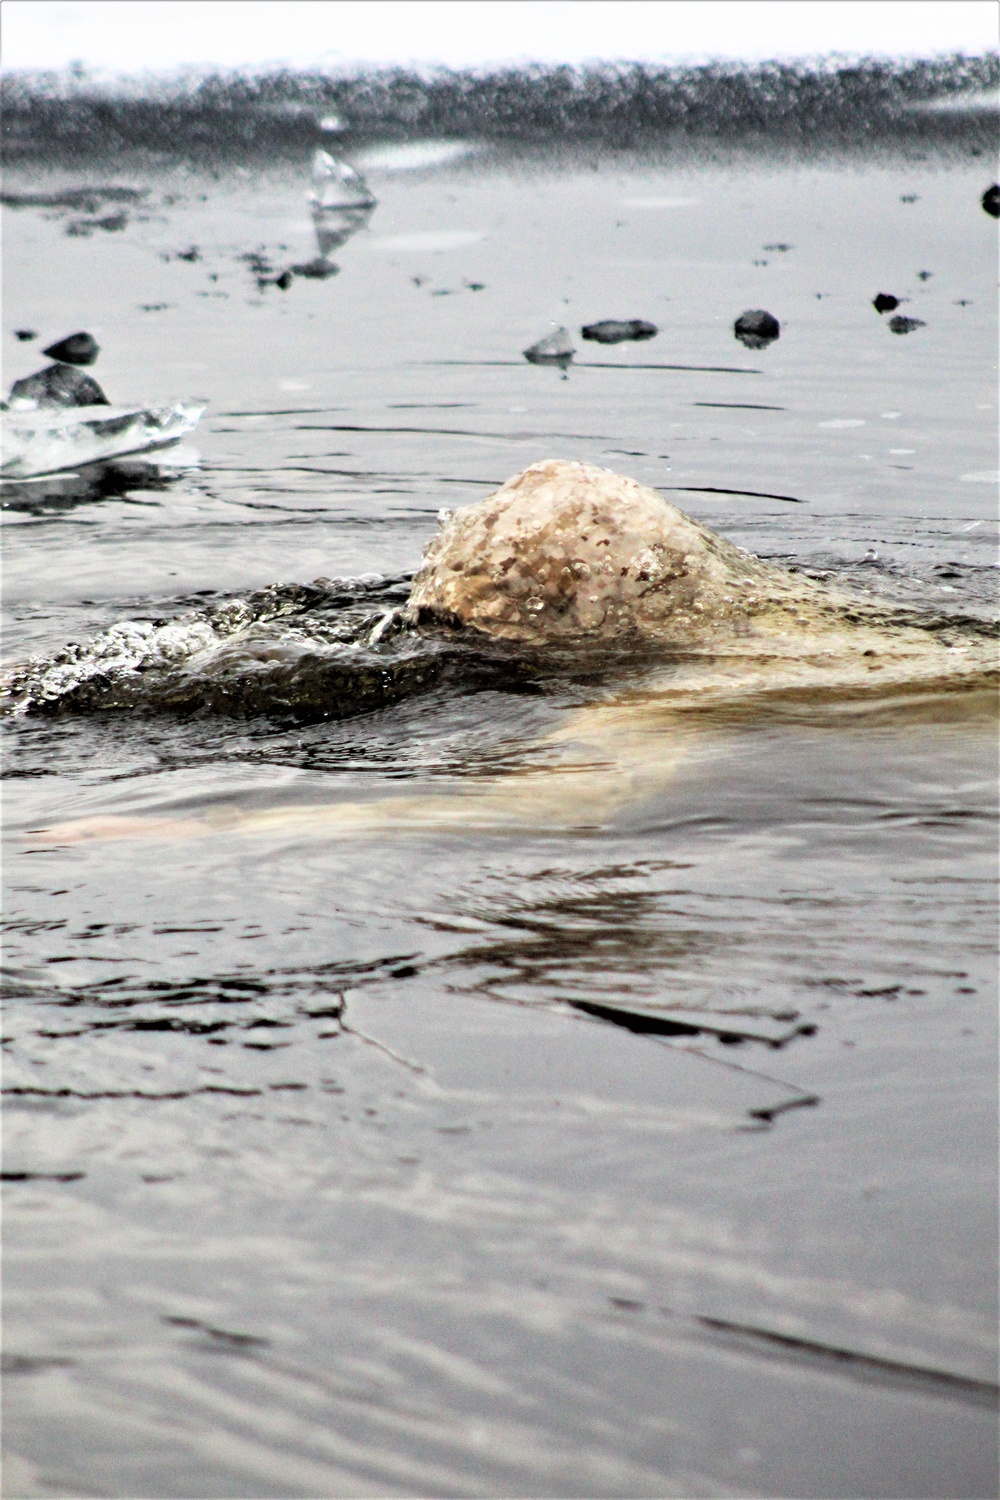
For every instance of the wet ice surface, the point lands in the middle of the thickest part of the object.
(318, 1183)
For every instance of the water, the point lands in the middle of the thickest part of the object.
(317, 1182)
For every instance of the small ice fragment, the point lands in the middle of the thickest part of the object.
(338, 185)
(555, 349)
(899, 324)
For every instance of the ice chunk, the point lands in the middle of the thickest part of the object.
(555, 349)
(338, 186)
(49, 440)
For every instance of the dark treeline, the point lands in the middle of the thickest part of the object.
(234, 117)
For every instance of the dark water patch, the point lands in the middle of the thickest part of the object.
(62, 493)
(854, 1363)
(219, 1339)
(294, 654)
(41, 1176)
(728, 1029)
(596, 364)
(85, 199)
(33, 1364)
(20, 1091)
(739, 406)
(711, 489)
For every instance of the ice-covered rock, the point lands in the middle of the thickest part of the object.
(567, 550)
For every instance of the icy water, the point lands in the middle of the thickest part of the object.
(317, 1183)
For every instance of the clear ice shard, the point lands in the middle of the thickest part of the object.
(337, 185)
(341, 202)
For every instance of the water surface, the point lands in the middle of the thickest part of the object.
(318, 1184)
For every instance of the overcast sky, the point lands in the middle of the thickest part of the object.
(131, 36)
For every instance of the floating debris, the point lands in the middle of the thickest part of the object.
(317, 269)
(924, 275)
(756, 329)
(555, 349)
(899, 324)
(614, 331)
(885, 302)
(729, 1029)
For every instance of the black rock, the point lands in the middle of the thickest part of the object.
(619, 331)
(899, 324)
(885, 302)
(25, 335)
(75, 349)
(756, 328)
(991, 200)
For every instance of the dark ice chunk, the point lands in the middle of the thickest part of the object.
(885, 302)
(899, 324)
(619, 331)
(317, 269)
(756, 328)
(556, 349)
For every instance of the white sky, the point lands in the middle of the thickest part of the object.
(132, 36)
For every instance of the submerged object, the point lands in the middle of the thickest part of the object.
(991, 200)
(44, 440)
(756, 328)
(901, 324)
(885, 302)
(619, 331)
(555, 349)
